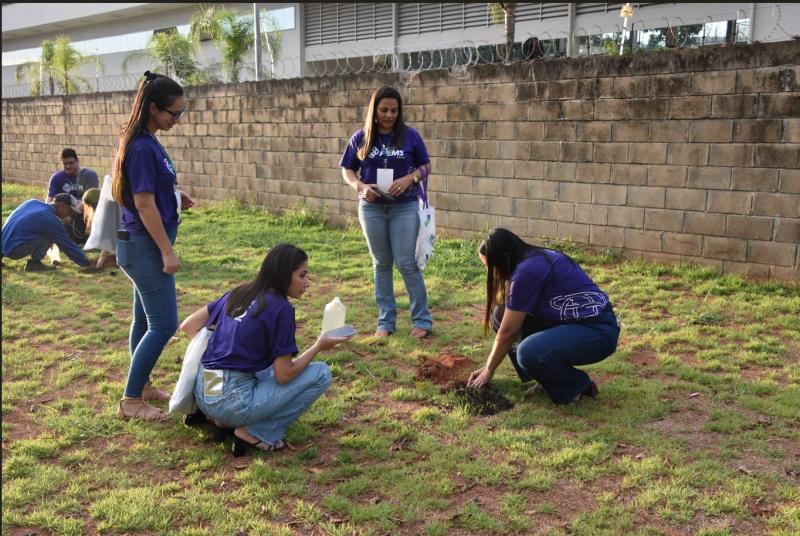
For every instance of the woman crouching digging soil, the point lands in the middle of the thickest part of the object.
(550, 317)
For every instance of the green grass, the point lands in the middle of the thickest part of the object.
(696, 429)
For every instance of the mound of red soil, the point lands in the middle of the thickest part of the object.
(448, 371)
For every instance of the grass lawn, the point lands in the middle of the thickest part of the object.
(696, 429)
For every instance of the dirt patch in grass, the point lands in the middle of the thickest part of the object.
(644, 360)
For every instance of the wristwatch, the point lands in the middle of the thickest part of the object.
(415, 178)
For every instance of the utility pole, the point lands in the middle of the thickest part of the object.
(626, 12)
(257, 42)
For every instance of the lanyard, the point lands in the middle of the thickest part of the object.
(385, 149)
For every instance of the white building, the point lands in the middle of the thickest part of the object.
(324, 38)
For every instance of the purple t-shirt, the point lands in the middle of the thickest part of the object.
(76, 186)
(384, 154)
(557, 295)
(248, 342)
(149, 169)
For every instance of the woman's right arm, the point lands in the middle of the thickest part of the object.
(195, 321)
(148, 211)
(364, 191)
(287, 369)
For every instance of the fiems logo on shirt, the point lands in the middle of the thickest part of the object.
(386, 152)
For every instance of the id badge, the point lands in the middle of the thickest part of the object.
(385, 179)
(212, 382)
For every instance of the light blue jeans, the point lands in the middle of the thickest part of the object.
(155, 306)
(259, 403)
(391, 232)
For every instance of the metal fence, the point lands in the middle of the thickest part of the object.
(647, 34)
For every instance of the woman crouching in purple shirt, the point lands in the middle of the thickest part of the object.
(247, 379)
(550, 317)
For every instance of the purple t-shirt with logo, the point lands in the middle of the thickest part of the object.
(61, 182)
(149, 169)
(385, 154)
(558, 294)
(249, 342)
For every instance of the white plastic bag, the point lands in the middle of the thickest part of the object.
(427, 227)
(182, 400)
(106, 222)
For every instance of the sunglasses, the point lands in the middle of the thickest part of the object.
(175, 115)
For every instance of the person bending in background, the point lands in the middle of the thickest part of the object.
(34, 226)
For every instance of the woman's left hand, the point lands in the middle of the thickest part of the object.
(186, 201)
(400, 185)
(480, 378)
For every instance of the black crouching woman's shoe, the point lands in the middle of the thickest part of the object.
(221, 433)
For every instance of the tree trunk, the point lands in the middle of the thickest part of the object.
(510, 10)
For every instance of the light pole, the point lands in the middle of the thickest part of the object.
(257, 42)
(626, 12)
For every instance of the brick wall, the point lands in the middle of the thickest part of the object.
(681, 155)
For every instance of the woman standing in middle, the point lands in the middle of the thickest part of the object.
(391, 158)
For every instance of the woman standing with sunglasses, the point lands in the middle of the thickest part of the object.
(144, 179)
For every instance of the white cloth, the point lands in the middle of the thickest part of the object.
(182, 400)
(427, 228)
(106, 222)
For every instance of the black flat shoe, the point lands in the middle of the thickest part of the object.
(197, 418)
(221, 434)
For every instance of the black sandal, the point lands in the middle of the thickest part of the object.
(241, 446)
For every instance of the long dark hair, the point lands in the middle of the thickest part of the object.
(275, 274)
(155, 88)
(503, 251)
(371, 121)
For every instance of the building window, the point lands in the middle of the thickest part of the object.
(277, 19)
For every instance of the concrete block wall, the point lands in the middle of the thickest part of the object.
(688, 155)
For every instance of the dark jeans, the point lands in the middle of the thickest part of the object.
(37, 250)
(549, 353)
(155, 307)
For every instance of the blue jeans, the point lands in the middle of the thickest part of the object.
(155, 306)
(391, 232)
(549, 353)
(36, 249)
(259, 403)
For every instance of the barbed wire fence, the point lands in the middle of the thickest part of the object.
(648, 34)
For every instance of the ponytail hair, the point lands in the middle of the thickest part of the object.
(155, 88)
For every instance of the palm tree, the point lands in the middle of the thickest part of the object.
(36, 71)
(231, 32)
(66, 59)
(168, 52)
(272, 40)
(508, 12)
